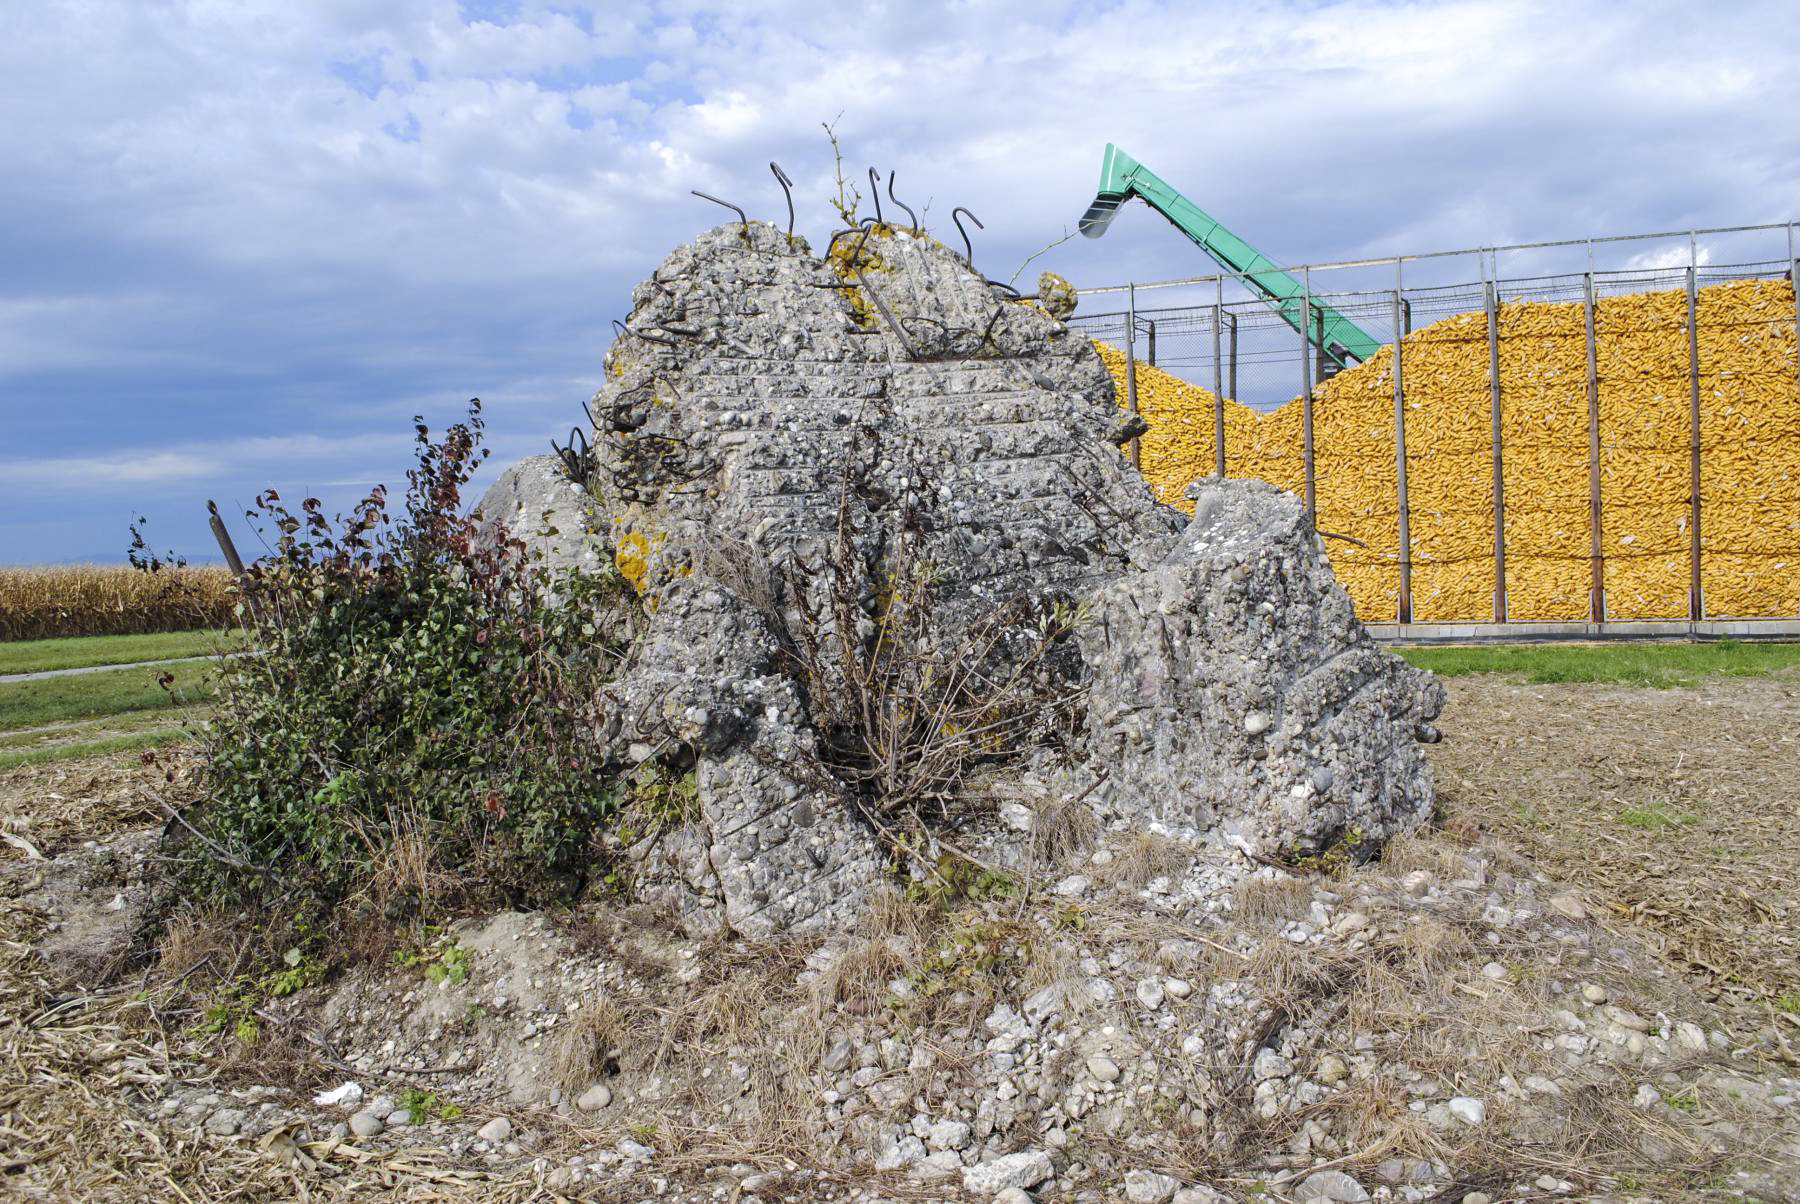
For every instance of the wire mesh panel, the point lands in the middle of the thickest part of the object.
(1591, 427)
(1749, 444)
(1641, 351)
(1544, 429)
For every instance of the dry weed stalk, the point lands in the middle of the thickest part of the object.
(910, 690)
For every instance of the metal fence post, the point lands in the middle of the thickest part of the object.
(1306, 398)
(1218, 384)
(1403, 607)
(1150, 351)
(1794, 280)
(1596, 544)
(1492, 296)
(1131, 362)
(1320, 362)
(1696, 603)
(1231, 384)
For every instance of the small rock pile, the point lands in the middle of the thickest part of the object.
(1180, 1038)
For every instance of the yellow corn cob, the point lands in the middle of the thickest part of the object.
(1750, 457)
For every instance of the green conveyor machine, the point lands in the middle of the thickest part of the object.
(1336, 338)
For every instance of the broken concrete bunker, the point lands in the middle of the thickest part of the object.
(789, 449)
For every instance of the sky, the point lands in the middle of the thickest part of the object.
(243, 242)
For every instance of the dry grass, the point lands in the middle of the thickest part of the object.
(589, 1045)
(1146, 856)
(92, 599)
(1404, 854)
(1061, 830)
(890, 940)
(193, 943)
(1417, 986)
(1674, 808)
(1264, 903)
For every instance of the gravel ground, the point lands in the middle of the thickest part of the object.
(1676, 810)
(1566, 993)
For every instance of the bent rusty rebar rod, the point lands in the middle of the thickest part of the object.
(901, 203)
(652, 338)
(968, 247)
(787, 188)
(1346, 538)
(579, 464)
(706, 196)
(881, 308)
(875, 191)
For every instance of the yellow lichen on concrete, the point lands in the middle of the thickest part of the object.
(632, 553)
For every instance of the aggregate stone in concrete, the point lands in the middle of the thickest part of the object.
(1234, 688)
(779, 432)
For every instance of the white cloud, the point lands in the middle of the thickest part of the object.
(215, 214)
(199, 463)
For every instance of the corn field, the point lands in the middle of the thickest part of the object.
(1749, 445)
(76, 600)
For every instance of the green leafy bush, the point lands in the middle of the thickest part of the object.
(421, 711)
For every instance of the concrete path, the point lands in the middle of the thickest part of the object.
(43, 673)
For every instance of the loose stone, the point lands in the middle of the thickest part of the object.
(1150, 1187)
(1331, 1185)
(1025, 1169)
(1469, 1111)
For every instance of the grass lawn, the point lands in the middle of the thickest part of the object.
(17, 750)
(1658, 665)
(34, 656)
(117, 711)
(27, 704)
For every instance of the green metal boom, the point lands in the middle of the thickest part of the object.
(1336, 337)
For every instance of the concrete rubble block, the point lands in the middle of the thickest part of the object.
(537, 502)
(1233, 688)
(1025, 1169)
(783, 437)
